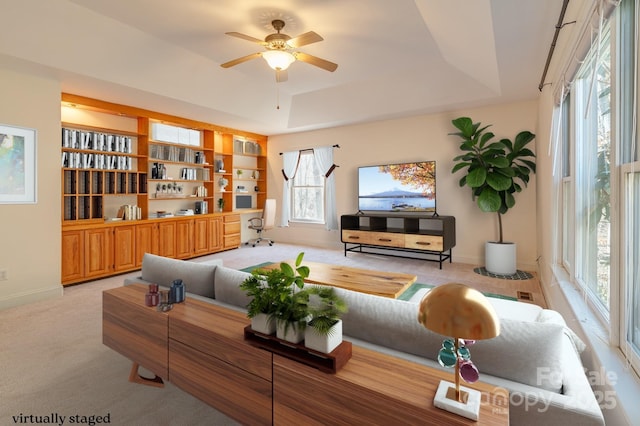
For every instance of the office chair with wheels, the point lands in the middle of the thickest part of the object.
(264, 223)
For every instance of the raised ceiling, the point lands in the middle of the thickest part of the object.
(396, 58)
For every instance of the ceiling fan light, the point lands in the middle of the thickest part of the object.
(278, 59)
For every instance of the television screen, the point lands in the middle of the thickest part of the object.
(404, 187)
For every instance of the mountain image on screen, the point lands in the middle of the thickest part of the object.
(403, 187)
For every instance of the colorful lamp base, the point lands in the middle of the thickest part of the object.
(445, 399)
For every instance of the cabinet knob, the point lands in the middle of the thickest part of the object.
(354, 237)
(422, 243)
(387, 240)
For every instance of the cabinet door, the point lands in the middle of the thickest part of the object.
(124, 248)
(184, 238)
(201, 236)
(98, 245)
(146, 241)
(167, 239)
(72, 256)
(215, 234)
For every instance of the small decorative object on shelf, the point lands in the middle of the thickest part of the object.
(177, 291)
(165, 301)
(152, 298)
(220, 204)
(222, 183)
(239, 172)
(220, 165)
(466, 314)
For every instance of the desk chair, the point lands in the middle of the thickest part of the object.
(264, 223)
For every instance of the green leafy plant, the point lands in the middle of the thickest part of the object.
(273, 292)
(494, 169)
(325, 308)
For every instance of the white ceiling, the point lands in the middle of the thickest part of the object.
(395, 58)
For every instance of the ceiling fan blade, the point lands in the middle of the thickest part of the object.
(304, 39)
(281, 76)
(314, 60)
(241, 60)
(246, 37)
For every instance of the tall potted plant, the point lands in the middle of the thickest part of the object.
(494, 172)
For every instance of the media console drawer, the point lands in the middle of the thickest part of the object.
(388, 239)
(424, 242)
(356, 237)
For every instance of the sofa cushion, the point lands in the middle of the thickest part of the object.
(198, 278)
(388, 322)
(525, 352)
(228, 286)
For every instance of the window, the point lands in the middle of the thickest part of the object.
(592, 90)
(307, 191)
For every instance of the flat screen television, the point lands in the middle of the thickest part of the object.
(402, 187)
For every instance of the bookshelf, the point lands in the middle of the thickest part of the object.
(122, 165)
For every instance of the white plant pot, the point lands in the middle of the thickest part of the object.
(500, 259)
(321, 342)
(262, 324)
(294, 334)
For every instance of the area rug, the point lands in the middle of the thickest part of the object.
(519, 275)
(416, 292)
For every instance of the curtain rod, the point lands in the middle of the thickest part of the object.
(559, 26)
(311, 149)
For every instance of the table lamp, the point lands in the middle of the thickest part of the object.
(466, 315)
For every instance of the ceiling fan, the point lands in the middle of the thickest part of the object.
(280, 54)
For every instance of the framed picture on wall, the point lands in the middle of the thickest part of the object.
(17, 165)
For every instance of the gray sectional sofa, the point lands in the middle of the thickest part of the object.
(536, 357)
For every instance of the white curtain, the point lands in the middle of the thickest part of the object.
(289, 168)
(324, 160)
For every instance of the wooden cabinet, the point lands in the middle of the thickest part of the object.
(200, 236)
(427, 237)
(184, 238)
(215, 234)
(124, 239)
(98, 252)
(206, 235)
(72, 256)
(146, 240)
(167, 239)
(231, 231)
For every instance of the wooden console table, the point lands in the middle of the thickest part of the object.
(200, 348)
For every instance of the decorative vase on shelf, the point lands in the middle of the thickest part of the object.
(222, 182)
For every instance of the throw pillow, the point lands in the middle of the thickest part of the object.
(197, 277)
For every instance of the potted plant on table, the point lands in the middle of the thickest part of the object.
(324, 329)
(272, 293)
(494, 171)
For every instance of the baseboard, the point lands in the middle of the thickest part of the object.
(27, 297)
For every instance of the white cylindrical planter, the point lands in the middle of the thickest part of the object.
(324, 343)
(500, 258)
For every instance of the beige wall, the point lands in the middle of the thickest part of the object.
(30, 233)
(411, 139)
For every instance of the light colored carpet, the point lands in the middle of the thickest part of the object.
(52, 360)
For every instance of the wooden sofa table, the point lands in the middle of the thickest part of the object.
(200, 348)
(386, 284)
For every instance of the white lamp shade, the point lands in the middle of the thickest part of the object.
(278, 59)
